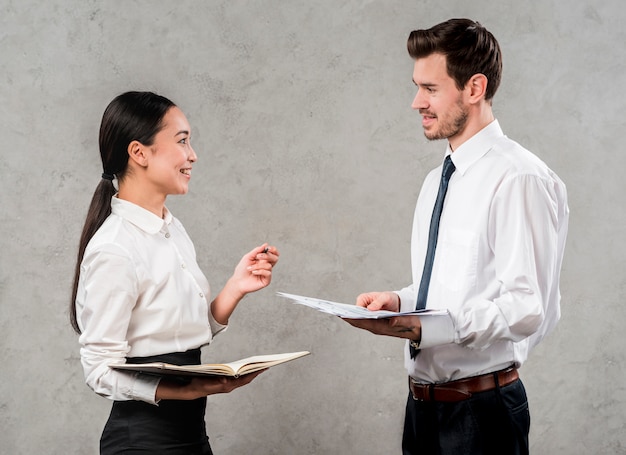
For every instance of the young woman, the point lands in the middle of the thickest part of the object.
(139, 295)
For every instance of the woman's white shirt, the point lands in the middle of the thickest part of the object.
(140, 293)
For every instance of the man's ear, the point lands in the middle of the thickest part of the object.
(477, 86)
(137, 153)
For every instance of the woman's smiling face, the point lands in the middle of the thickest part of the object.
(171, 156)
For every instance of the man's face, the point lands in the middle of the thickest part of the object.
(438, 100)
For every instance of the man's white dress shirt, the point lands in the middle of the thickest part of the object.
(497, 262)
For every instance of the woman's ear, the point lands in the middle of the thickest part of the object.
(137, 153)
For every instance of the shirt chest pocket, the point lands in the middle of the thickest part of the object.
(456, 259)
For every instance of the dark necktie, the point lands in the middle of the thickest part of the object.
(422, 295)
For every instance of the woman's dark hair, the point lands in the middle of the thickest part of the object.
(469, 49)
(132, 116)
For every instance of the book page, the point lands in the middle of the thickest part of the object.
(233, 369)
(259, 362)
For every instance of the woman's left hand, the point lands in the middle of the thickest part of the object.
(254, 270)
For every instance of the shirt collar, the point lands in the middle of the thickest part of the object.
(475, 147)
(140, 217)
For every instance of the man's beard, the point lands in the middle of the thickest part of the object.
(452, 127)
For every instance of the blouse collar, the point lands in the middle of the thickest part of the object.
(140, 217)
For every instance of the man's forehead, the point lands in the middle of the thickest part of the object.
(430, 70)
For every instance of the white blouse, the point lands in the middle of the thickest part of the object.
(140, 293)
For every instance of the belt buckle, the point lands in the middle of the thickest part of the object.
(413, 386)
(430, 392)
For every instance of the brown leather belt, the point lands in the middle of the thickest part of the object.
(462, 389)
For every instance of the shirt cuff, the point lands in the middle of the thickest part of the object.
(436, 330)
(407, 300)
(216, 327)
(144, 388)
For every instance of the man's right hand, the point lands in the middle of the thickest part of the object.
(374, 301)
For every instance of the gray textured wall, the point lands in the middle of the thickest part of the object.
(302, 122)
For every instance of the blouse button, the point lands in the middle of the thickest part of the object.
(167, 235)
(201, 295)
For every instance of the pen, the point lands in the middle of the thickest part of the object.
(266, 249)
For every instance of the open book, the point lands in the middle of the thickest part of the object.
(346, 311)
(232, 369)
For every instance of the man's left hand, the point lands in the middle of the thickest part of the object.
(408, 327)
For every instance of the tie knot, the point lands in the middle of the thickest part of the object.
(448, 168)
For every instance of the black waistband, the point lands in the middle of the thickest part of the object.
(191, 357)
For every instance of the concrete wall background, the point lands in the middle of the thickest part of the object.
(302, 122)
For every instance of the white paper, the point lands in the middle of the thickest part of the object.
(346, 311)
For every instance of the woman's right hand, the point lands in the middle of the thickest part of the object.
(200, 387)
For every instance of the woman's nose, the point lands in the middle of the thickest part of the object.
(192, 155)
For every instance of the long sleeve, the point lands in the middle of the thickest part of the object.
(108, 279)
(523, 229)
(497, 262)
(140, 293)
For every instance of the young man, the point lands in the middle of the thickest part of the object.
(487, 245)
